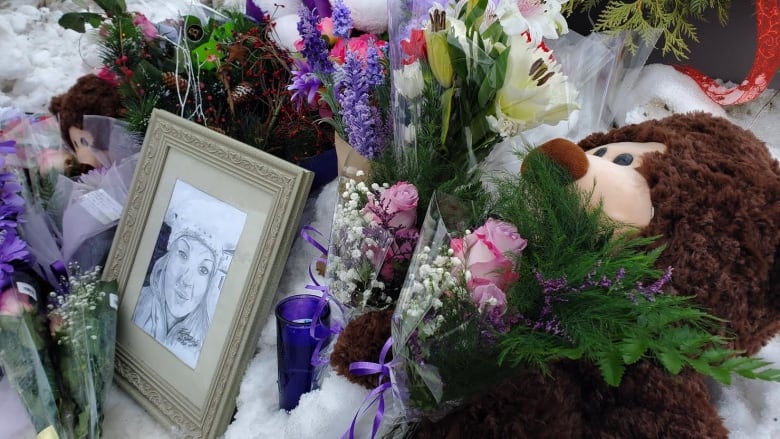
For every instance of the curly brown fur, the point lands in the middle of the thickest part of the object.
(90, 95)
(573, 401)
(361, 340)
(716, 193)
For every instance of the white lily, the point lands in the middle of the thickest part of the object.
(531, 96)
(540, 18)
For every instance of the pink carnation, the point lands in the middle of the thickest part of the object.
(51, 159)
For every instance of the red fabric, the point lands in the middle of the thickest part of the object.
(765, 63)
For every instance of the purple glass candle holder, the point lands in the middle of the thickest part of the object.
(295, 345)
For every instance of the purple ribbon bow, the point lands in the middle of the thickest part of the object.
(361, 368)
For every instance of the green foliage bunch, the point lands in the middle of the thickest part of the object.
(590, 290)
(674, 18)
(224, 72)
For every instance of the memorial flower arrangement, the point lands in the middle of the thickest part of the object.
(56, 350)
(466, 75)
(222, 70)
(539, 278)
(345, 75)
(373, 235)
(60, 360)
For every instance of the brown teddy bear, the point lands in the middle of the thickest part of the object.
(711, 190)
(90, 95)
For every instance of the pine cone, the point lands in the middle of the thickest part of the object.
(174, 81)
(241, 93)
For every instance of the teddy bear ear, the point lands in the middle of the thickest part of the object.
(55, 105)
(564, 152)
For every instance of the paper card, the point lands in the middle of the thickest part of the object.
(101, 206)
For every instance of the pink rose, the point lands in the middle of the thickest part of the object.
(13, 303)
(400, 201)
(358, 45)
(504, 235)
(56, 323)
(488, 297)
(51, 160)
(484, 253)
(148, 29)
(396, 207)
(326, 28)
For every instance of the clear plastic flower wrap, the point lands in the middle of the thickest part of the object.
(83, 325)
(373, 232)
(451, 309)
(356, 251)
(25, 356)
(466, 75)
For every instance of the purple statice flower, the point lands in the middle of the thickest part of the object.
(655, 288)
(342, 20)
(315, 48)
(366, 130)
(305, 83)
(551, 285)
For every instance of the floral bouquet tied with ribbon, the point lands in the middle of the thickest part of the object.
(541, 278)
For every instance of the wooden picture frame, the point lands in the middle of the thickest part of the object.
(198, 255)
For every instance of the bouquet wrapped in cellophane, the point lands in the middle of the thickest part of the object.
(59, 322)
(373, 234)
(531, 276)
(466, 75)
(82, 320)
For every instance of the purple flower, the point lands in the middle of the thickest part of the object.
(342, 20)
(315, 48)
(12, 248)
(374, 69)
(363, 122)
(655, 288)
(305, 83)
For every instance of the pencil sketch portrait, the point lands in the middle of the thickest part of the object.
(195, 247)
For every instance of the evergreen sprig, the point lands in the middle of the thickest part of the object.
(675, 19)
(588, 290)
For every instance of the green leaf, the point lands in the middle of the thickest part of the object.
(112, 7)
(632, 350)
(500, 69)
(446, 104)
(76, 20)
(672, 361)
(612, 368)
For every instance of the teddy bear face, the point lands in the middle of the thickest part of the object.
(612, 179)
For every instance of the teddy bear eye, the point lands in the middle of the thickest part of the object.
(624, 159)
(600, 152)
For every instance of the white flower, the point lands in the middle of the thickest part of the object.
(408, 81)
(534, 91)
(541, 18)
